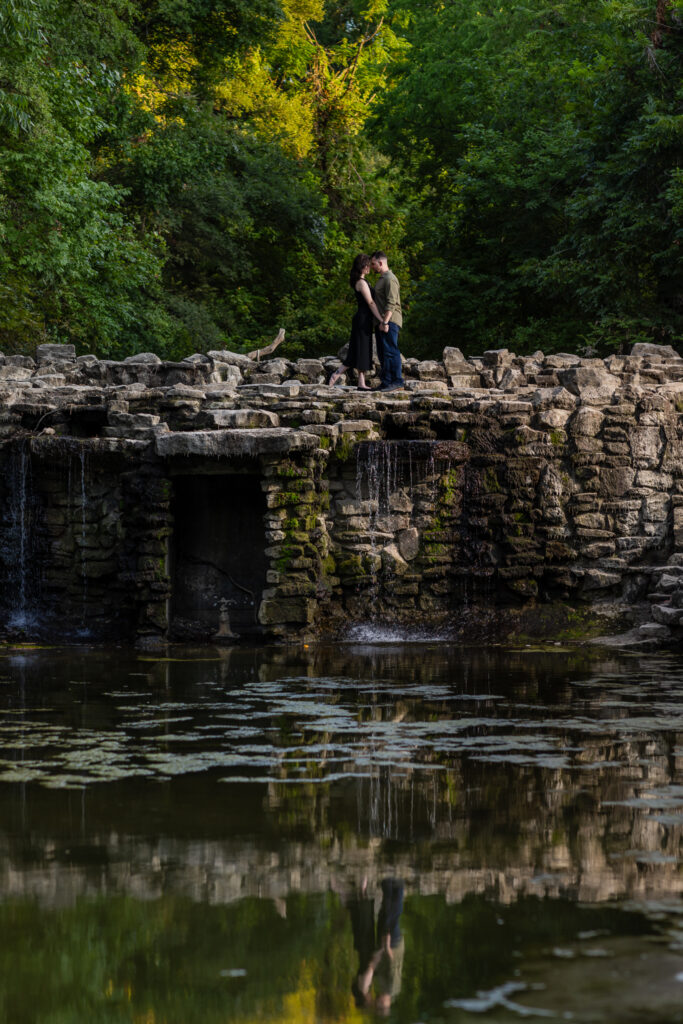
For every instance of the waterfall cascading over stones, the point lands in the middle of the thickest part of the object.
(397, 525)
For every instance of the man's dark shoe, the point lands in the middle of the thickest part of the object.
(391, 387)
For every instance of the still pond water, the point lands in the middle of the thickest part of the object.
(423, 832)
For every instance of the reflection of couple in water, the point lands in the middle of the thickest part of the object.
(380, 953)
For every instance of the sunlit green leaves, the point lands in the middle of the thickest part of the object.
(545, 145)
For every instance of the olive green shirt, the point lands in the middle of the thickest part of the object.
(388, 297)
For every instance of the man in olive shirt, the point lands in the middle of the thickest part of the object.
(388, 301)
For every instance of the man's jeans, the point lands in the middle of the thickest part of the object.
(379, 345)
(391, 366)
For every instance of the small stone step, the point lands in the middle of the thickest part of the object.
(654, 630)
(667, 615)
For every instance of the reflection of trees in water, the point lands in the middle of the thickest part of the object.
(170, 959)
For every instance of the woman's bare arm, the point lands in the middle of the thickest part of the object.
(364, 288)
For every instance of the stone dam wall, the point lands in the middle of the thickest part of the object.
(220, 499)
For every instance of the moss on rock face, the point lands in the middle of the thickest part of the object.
(289, 469)
(561, 622)
(344, 449)
(448, 488)
(350, 565)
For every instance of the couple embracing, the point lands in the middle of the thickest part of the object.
(378, 307)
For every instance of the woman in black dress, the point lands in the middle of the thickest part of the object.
(359, 356)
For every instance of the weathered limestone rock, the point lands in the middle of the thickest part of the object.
(429, 369)
(666, 615)
(678, 528)
(464, 380)
(148, 358)
(232, 358)
(596, 579)
(509, 378)
(227, 373)
(409, 541)
(235, 443)
(286, 610)
(392, 560)
(656, 352)
(453, 361)
(498, 357)
(310, 371)
(10, 371)
(592, 385)
(272, 368)
(427, 385)
(183, 392)
(55, 353)
(561, 360)
(646, 446)
(361, 428)
(290, 389)
(250, 418)
(552, 419)
(141, 426)
(552, 398)
(586, 422)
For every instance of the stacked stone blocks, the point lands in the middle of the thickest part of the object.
(498, 479)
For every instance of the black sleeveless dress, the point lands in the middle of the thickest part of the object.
(360, 344)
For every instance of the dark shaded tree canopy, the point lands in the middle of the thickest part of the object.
(181, 175)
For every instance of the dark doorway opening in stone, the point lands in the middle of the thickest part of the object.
(218, 560)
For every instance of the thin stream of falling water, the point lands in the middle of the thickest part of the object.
(20, 529)
(22, 534)
(367, 471)
(377, 466)
(84, 500)
(464, 527)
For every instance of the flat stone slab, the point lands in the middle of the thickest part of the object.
(235, 443)
(244, 418)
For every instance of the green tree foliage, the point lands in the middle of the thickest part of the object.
(72, 265)
(186, 175)
(544, 142)
(189, 174)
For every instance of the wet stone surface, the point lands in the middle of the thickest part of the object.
(200, 835)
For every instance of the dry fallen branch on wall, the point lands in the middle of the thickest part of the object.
(258, 352)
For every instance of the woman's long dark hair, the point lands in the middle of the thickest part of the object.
(357, 267)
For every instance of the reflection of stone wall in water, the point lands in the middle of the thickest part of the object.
(564, 846)
(219, 497)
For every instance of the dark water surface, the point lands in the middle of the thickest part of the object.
(202, 837)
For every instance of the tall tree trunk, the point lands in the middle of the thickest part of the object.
(662, 25)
